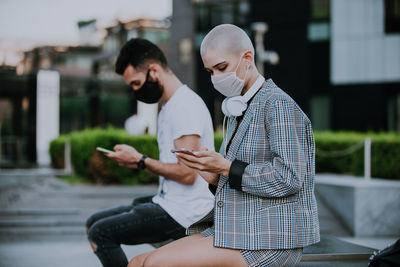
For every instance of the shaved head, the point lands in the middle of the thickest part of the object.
(226, 39)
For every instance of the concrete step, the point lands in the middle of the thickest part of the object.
(40, 222)
(33, 172)
(43, 232)
(101, 195)
(38, 212)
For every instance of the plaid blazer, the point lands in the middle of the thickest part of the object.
(275, 208)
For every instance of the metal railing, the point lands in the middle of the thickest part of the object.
(366, 143)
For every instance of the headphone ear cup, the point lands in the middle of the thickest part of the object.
(233, 106)
(223, 107)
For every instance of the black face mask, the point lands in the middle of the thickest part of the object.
(150, 92)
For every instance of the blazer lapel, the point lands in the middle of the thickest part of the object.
(241, 131)
(237, 138)
(231, 128)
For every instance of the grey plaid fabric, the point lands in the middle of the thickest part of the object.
(273, 258)
(276, 208)
(267, 257)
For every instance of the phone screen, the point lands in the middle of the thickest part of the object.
(104, 150)
(184, 151)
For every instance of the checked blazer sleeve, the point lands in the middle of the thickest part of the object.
(284, 174)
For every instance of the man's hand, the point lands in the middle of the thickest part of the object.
(126, 156)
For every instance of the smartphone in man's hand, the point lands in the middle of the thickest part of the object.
(184, 151)
(104, 150)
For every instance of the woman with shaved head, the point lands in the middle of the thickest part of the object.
(263, 177)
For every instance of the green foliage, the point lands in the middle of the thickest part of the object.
(84, 143)
(385, 153)
(218, 138)
(74, 179)
(57, 151)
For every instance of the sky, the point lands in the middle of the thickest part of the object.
(26, 23)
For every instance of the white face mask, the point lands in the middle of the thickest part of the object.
(228, 83)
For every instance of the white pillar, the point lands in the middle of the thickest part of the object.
(47, 113)
(367, 158)
(147, 113)
(67, 157)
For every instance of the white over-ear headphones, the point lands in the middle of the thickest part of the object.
(235, 106)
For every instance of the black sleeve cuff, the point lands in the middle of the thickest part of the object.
(212, 188)
(236, 173)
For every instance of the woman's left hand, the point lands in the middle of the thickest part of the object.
(208, 161)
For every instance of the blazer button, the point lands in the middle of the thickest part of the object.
(220, 204)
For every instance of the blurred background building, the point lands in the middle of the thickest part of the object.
(91, 93)
(339, 59)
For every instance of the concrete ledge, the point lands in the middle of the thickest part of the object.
(333, 249)
(366, 207)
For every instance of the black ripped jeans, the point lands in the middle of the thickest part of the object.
(141, 222)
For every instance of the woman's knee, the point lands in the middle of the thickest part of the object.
(156, 259)
(138, 260)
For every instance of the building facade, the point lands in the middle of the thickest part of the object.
(339, 59)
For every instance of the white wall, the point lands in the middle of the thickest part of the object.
(361, 51)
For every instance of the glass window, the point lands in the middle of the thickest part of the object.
(392, 16)
(321, 112)
(319, 25)
(320, 9)
(394, 113)
(156, 36)
(132, 34)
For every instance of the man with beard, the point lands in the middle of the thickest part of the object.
(183, 197)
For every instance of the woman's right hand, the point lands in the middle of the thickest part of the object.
(211, 178)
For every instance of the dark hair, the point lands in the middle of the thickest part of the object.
(137, 52)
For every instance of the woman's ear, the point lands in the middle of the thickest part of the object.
(248, 57)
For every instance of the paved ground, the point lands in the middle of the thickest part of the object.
(42, 219)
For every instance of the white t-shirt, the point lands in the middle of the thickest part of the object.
(184, 114)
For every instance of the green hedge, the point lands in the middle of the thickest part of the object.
(385, 153)
(83, 148)
(57, 151)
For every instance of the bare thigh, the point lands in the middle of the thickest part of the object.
(194, 251)
(139, 259)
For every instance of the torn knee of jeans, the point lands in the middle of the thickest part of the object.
(91, 237)
(93, 245)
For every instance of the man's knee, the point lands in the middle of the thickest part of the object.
(90, 221)
(92, 237)
(95, 235)
(93, 245)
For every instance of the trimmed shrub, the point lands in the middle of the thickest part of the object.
(218, 138)
(83, 148)
(385, 153)
(57, 151)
